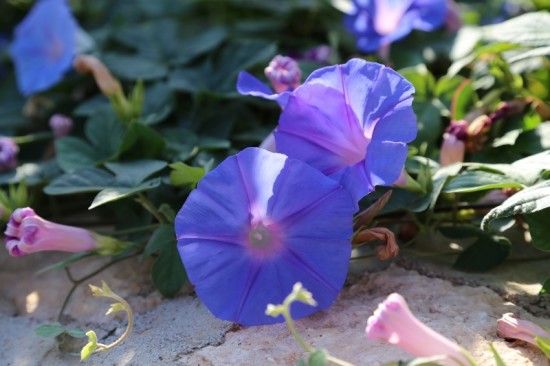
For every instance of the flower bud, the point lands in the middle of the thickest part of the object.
(61, 125)
(106, 82)
(284, 73)
(28, 233)
(8, 154)
(389, 248)
(510, 327)
(453, 22)
(477, 133)
(393, 322)
(452, 150)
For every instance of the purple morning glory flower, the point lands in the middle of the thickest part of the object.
(256, 225)
(377, 23)
(44, 46)
(352, 122)
(8, 154)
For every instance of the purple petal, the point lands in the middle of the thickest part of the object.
(249, 85)
(389, 14)
(384, 162)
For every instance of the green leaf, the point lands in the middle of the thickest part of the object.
(539, 228)
(158, 104)
(134, 172)
(422, 80)
(161, 238)
(116, 193)
(185, 175)
(498, 360)
(428, 120)
(134, 67)
(168, 274)
(73, 153)
(317, 358)
(487, 252)
(530, 30)
(218, 74)
(49, 330)
(475, 180)
(464, 99)
(544, 345)
(141, 142)
(545, 290)
(82, 181)
(105, 132)
(446, 87)
(529, 200)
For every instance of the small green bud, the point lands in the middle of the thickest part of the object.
(299, 293)
(274, 310)
(108, 246)
(90, 347)
(115, 308)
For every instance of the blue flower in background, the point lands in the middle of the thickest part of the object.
(256, 225)
(44, 46)
(352, 122)
(377, 23)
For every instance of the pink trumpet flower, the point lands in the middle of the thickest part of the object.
(393, 322)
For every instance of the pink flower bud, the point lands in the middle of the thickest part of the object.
(8, 154)
(393, 322)
(61, 125)
(453, 22)
(510, 327)
(284, 73)
(452, 150)
(28, 233)
(269, 143)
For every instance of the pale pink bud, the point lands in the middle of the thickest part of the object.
(28, 233)
(510, 327)
(269, 143)
(453, 22)
(284, 73)
(452, 150)
(393, 322)
(61, 125)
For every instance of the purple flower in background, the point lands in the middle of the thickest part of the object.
(377, 23)
(319, 54)
(284, 74)
(61, 125)
(44, 46)
(8, 154)
(352, 122)
(256, 225)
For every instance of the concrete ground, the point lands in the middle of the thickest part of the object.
(181, 331)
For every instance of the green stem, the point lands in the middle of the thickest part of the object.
(292, 328)
(39, 136)
(149, 206)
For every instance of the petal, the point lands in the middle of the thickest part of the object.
(333, 130)
(249, 85)
(431, 14)
(384, 162)
(218, 208)
(389, 14)
(356, 180)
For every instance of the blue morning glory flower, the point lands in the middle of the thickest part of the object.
(44, 46)
(352, 122)
(257, 224)
(377, 23)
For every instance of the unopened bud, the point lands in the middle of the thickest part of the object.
(106, 82)
(284, 73)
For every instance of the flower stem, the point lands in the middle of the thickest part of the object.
(292, 328)
(39, 136)
(149, 206)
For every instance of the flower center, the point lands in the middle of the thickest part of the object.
(264, 240)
